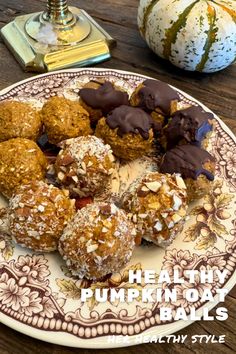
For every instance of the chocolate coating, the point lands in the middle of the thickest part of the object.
(188, 160)
(130, 120)
(106, 97)
(157, 94)
(191, 124)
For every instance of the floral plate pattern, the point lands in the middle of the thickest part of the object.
(39, 296)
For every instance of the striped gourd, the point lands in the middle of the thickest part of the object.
(193, 34)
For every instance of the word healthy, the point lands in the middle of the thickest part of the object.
(178, 292)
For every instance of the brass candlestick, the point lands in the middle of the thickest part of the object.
(57, 38)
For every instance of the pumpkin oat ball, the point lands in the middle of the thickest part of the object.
(129, 131)
(157, 204)
(21, 161)
(19, 119)
(84, 165)
(155, 97)
(99, 99)
(38, 213)
(99, 240)
(196, 166)
(64, 119)
(190, 125)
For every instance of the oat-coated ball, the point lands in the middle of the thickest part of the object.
(19, 119)
(64, 119)
(21, 161)
(84, 165)
(98, 241)
(196, 166)
(38, 213)
(157, 204)
(129, 132)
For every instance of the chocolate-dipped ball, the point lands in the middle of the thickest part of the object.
(196, 166)
(192, 125)
(157, 204)
(156, 97)
(99, 240)
(100, 100)
(129, 131)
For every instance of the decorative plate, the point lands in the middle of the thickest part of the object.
(40, 298)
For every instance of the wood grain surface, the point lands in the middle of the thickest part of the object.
(217, 91)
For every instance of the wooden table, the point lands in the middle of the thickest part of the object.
(217, 91)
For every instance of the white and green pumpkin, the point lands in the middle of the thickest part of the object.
(194, 35)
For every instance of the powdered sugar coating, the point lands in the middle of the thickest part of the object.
(38, 214)
(157, 204)
(84, 165)
(99, 240)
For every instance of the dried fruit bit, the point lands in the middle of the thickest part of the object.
(82, 202)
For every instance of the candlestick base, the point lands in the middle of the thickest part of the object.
(39, 46)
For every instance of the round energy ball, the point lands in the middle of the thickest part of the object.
(99, 240)
(155, 97)
(101, 98)
(19, 119)
(64, 119)
(129, 132)
(21, 161)
(190, 125)
(84, 165)
(38, 213)
(196, 166)
(157, 204)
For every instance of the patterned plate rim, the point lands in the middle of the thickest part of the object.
(67, 339)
